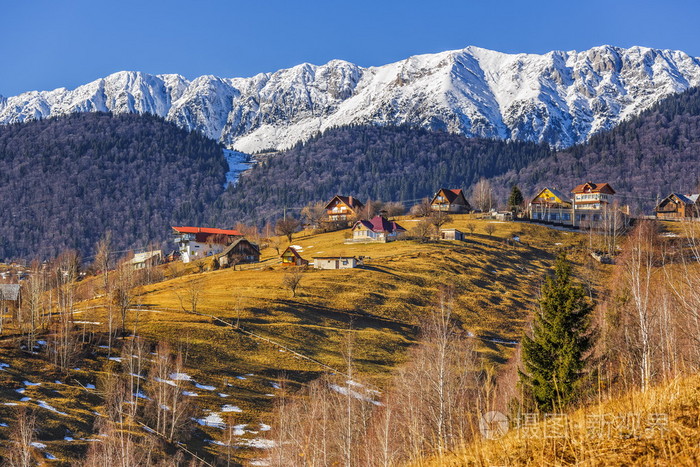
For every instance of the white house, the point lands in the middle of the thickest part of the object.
(377, 229)
(198, 242)
(335, 262)
(146, 259)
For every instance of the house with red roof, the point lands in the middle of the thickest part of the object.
(377, 229)
(450, 200)
(198, 242)
(343, 208)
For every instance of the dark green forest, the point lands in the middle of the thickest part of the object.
(65, 181)
(379, 163)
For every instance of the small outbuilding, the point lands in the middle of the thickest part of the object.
(9, 297)
(291, 257)
(335, 262)
(451, 234)
(146, 259)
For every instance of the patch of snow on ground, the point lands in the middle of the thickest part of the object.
(57, 382)
(41, 342)
(25, 399)
(141, 395)
(231, 408)
(346, 391)
(89, 386)
(205, 387)
(166, 381)
(218, 443)
(213, 419)
(189, 393)
(87, 322)
(38, 445)
(264, 427)
(237, 162)
(260, 463)
(180, 377)
(258, 443)
(4, 365)
(221, 394)
(239, 430)
(241, 377)
(275, 385)
(46, 406)
(116, 359)
(3, 424)
(20, 390)
(49, 456)
(68, 438)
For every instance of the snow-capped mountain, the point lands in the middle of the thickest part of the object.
(559, 97)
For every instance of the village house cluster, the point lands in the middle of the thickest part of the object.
(588, 205)
(593, 206)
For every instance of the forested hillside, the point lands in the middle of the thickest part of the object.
(644, 157)
(384, 163)
(65, 181)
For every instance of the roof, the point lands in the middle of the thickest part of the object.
(351, 201)
(145, 256)
(451, 194)
(555, 192)
(334, 257)
(293, 251)
(9, 292)
(590, 187)
(233, 245)
(380, 224)
(686, 199)
(206, 230)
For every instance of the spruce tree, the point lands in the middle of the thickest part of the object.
(554, 358)
(515, 200)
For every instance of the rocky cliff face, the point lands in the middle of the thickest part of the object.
(560, 97)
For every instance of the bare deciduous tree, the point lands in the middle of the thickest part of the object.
(21, 438)
(287, 227)
(422, 209)
(292, 279)
(314, 214)
(190, 296)
(482, 196)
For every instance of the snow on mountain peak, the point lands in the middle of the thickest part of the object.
(561, 97)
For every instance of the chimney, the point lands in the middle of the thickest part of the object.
(350, 200)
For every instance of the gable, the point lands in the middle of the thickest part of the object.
(550, 195)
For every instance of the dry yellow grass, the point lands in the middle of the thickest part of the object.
(659, 427)
(381, 305)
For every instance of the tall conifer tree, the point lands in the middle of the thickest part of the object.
(554, 358)
(515, 200)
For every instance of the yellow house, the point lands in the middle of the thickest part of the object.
(551, 205)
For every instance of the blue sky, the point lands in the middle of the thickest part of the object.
(46, 44)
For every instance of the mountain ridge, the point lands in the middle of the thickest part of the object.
(561, 97)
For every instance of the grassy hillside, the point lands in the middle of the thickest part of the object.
(295, 338)
(658, 427)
